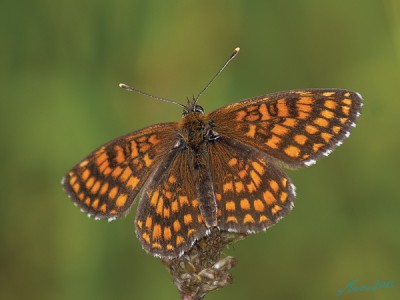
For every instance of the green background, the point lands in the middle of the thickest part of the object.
(60, 65)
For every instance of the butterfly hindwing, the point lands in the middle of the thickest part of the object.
(294, 127)
(107, 181)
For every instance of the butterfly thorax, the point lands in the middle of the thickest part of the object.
(193, 130)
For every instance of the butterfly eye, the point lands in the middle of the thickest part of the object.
(199, 109)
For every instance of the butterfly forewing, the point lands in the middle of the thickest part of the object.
(168, 219)
(252, 193)
(294, 127)
(107, 181)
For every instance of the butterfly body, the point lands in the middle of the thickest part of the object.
(219, 169)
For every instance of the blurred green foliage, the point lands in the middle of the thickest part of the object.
(60, 63)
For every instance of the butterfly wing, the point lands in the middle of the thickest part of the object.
(107, 181)
(252, 193)
(168, 219)
(294, 127)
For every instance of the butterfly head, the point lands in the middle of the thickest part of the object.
(192, 107)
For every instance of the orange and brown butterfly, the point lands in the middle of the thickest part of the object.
(220, 169)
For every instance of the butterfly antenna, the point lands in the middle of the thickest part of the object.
(131, 89)
(232, 56)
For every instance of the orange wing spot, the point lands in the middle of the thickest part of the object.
(242, 174)
(275, 209)
(183, 200)
(232, 219)
(146, 237)
(283, 197)
(121, 200)
(174, 206)
(132, 182)
(103, 208)
(269, 198)
(218, 196)
(282, 108)
(170, 247)
(101, 158)
(303, 107)
(328, 94)
(292, 151)
(228, 187)
(95, 203)
(240, 115)
(172, 179)
(248, 219)
(90, 182)
(84, 163)
(258, 205)
(326, 136)
(190, 232)
(258, 167)
(134, 149)
(284, 182)
(156, 245)
(116, 172)
(273, 142)
(306, 100)
(179, 240)
(167, 233)
(252, 117)
(81, 196)
(219, 213)
(251, 187)
(76, 187)
(147, 160)
(321, 122)
(300, 139)
(274, 185)
(113, 192)
(167, 213)
(255, 177)
(104, 188)
(144, 147)
(168, 195)
(149, 222)
(119, 154)
(95, 187)
(336, 129)
(103, 166)
(252, 131)
(290, 122)
(142, 139)
(230, 206)
(343, 120)
(280, 130)
(187, 219)
(346, 110)
(330, 104)
(303, 115)
(239, 186)
(327, 114)
(156, 231)
(262, 109)
(311, 129)
(153, 140)
(316, 147)
(232, 162)
(347, 101)
(195, 203)
(125, 174)
(347, 94)
(177, 226)
(160, 205)
(72, 180)
(113, 212)
(200, 219)
(252, 108)
(263, 219)
(244, 204)
(107, 171)
(85, 174)
(140, 224)
(87, 201)
(154, 198)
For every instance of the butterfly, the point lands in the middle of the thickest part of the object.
(221, 169)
